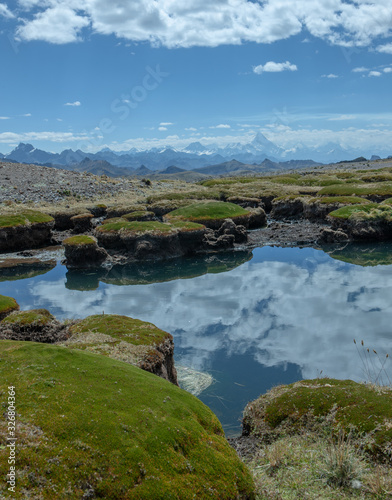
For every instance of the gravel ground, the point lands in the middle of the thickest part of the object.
(22, 183)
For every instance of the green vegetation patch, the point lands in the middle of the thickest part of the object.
(90, 425)
(187, 226)
(344, 200)
(135, 227)
(7, 305)
(332, 405)
(208, 194)
(130, 330)
(82, 239)
(213, 210)
(138, 215)
(33, 317)
(370, 211)
(24, 218)
(375, 189)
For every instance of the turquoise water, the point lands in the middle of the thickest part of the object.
(252, 321)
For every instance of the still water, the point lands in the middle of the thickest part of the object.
(251, 320)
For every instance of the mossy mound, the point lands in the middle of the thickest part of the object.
(342, 200)
(370, 211)
(126, 339)
(37, 325)
(325, 405)
(82, 239)
(120, 210)
(135, 227)
(123, 328)
(377, 190)
(211, 214)
(24, 230)
(365, 256)
(82, 252)
(7, 306)
(139, 216)
(30, 319)
(25, 218)
(89, 426)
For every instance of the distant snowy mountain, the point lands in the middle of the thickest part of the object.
(194, 156)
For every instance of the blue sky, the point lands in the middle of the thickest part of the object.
(90, 74)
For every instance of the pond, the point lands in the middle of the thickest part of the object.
(250, 320)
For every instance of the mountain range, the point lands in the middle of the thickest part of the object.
(196, 157)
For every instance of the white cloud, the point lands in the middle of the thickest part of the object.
(175, 23)
(361, 69)
(26, 115)
(166, 124)
(342, 118)
(331, 75)
(59, 137)
(387, 70)
(5, 12)
(386, 49)
(162, 129)
(4, 117)
(221, 125)
(76, 103)
(374, 73)
(191, 129)
(58, 24)
(274, 67)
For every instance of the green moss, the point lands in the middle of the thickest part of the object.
(344, 200)
(87, 421)
(130, 330)
(376, 189)
(208, 211)
(24, 218)
(357, 407)
(370, 211)
(187, 226)
(134, 216)
(7, 304)
(32, 317)
(82, 239)
(184, 195)
(135, 227)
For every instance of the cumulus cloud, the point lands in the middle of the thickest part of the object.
(175, 23)
(166, 124)
(191, 129)
(331, 75)
(5, 12)
(221, 125)
(386, 49)
(387, 70)
(274, 67)
(374, 73)
(75, 103)
(8, 137)
(162, 129)
(4, 117)
(361, 69)
(58, 24)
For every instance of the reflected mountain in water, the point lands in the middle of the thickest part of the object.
(143, 273)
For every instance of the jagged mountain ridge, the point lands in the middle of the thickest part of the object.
(194, 156)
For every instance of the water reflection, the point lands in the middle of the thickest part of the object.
(287, 314)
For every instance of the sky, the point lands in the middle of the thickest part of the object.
(91, 74)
